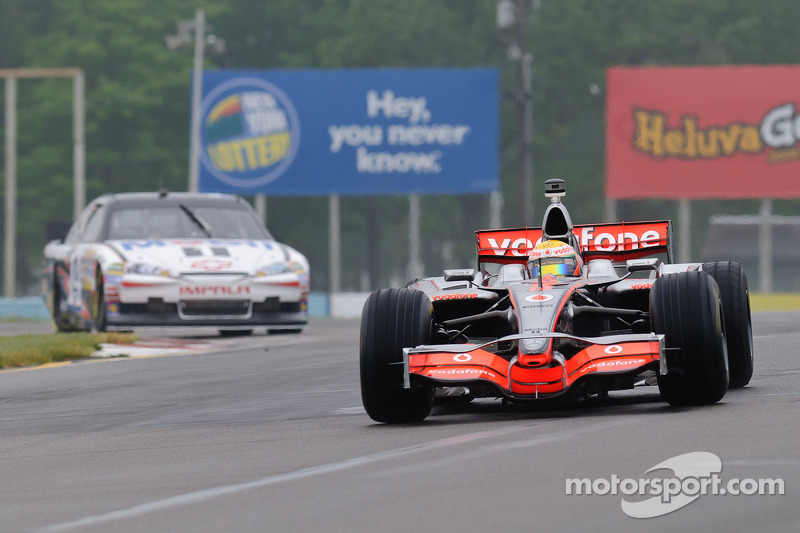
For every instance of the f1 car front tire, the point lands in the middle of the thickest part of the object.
(732, 282)
(687, 309)
(393, 319)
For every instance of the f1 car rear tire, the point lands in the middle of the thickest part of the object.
(99, 304)
(393, 319)
(686, 307)
(733, 290)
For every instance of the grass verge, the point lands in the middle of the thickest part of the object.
(775, 301)
(31, 350)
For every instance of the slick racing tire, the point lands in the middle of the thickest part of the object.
(686, 308)
(393, 319)
(732, 282)
(99, 304)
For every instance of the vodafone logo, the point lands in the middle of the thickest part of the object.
(616, 348)
(211, 265)
(623, 364)
(535, 298)
(457, 296)
(461, 372)
(554, 252)
(604, 238)
(462, 358)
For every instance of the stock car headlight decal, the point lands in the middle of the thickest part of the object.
(145, 269)
(274, 269)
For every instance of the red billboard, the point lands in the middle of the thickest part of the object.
(703, 132)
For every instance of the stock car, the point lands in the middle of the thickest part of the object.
(626, 316)
(173, 259)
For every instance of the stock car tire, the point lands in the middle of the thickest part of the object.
(285, 331)
(732, 282)
(235, 332)
(99, 304)
(393, 319)
(58, 319)
(686, 308)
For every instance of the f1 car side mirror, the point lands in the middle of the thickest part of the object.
(641, 265)
(463, 274)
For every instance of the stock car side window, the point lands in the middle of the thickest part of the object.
(94, 227)
(76, 231)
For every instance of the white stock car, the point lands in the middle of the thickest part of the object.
(173, 259)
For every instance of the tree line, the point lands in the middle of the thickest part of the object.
(137, 101)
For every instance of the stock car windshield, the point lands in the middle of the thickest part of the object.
(185, 221)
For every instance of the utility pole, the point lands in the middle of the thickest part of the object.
(524, 116)
(194, 31)
(197, 94)
(512, 16)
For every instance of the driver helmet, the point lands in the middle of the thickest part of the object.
(555, 258)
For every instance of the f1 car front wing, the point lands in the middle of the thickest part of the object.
(523, 376)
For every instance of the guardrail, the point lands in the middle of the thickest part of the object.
(31, 307)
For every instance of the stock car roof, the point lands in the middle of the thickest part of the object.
(150, 198)
(139, 200)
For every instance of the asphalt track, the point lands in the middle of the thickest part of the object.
(269, 435)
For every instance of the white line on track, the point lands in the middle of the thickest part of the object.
(763, 462)
(777, 335)
(217, 492)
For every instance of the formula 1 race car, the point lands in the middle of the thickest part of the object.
(561, 310)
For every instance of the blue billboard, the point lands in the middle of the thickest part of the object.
(349, 132)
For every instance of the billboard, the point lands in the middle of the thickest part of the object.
(703, 132)
(355, 131)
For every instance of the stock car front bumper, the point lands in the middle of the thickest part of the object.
(228, 301)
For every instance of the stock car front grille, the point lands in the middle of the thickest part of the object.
(215, 308)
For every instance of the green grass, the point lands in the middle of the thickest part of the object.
(787, 301)
(32, 350)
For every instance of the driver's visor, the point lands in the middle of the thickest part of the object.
(556, 266)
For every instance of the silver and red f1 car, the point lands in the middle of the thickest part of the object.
(622, 315)
(173, 259)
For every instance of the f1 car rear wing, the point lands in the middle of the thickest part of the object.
(617, 241)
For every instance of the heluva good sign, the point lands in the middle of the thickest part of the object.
(355, 131)
(703, 132)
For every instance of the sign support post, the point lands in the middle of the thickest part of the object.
(10, 256)
(684, 231)
(414, 262)
(765, 246)
(79, 154)
(334, 250)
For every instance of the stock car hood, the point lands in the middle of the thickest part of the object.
(199, 256)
